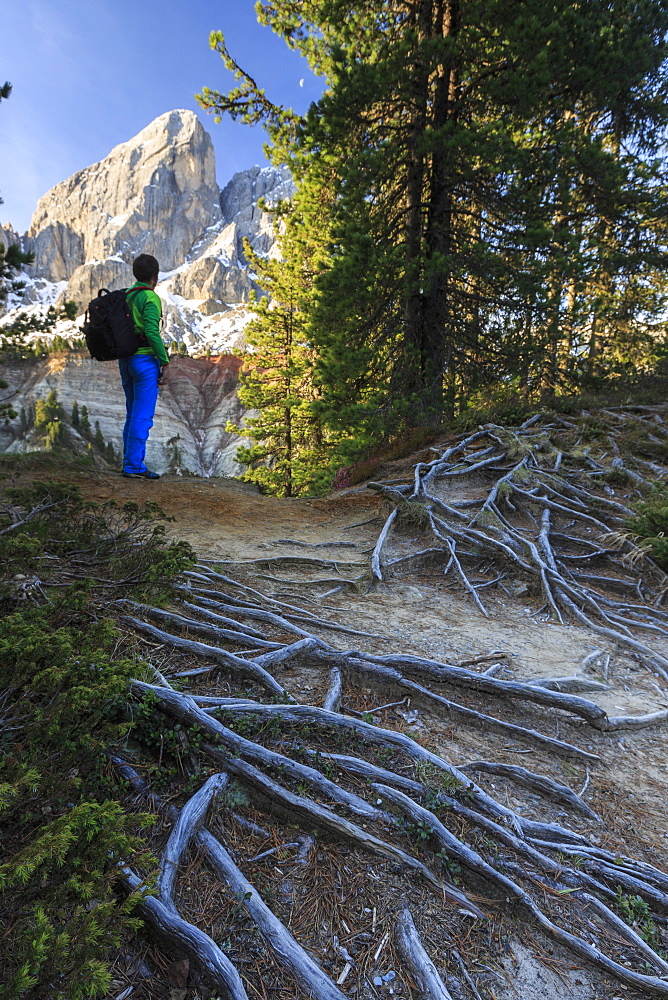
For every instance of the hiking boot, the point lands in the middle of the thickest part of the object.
(141, 475)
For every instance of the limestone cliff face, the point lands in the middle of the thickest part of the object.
(239, 204)
(191, 416)
(154, 194)
(157, 193)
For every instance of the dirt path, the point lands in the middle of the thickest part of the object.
(224, 519)
(250, 535)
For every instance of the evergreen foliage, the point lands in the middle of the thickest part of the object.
(12, 259)
(84, 422)
(49, 422)
(98, 439)
(288, 454)
(649, 527)
(481, 201)
(65, 693)
(13, 335)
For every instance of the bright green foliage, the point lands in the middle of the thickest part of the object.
(85, 421)
(65, 697)
(49, 421)
(650, 525)
(288, 456)
(99, 438)
(47, 410)
(637, 913)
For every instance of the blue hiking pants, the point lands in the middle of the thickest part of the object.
(139, 375)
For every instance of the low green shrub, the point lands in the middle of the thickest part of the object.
(64, 693)
(649, 526)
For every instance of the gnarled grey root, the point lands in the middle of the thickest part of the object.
(421, 967)
(537, 782)
(472, 860)
(245, 668)
(287, 951)
(168, 925)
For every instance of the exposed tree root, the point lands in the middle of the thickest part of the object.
(531, 518)
(281, 763)
(417, 960)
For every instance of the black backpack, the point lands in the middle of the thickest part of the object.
(108, 327)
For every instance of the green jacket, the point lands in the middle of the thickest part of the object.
(146, 310)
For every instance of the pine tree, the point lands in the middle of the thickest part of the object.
(288, 456)
(7, 411)
(74, 420)
(85, 421)
(12, 259)
(98, 438)
(48, 410)
(469, 158)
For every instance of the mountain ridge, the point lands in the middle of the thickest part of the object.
(156, 193)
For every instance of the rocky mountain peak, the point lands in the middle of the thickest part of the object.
(155, 193)
(239, 202)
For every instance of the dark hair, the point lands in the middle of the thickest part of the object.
(145, 267)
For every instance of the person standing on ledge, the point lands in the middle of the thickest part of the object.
(141, 373)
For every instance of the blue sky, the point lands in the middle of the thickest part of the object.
(88, 74)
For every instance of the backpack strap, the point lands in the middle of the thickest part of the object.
(130, 291)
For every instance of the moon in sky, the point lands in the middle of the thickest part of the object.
(301, 82)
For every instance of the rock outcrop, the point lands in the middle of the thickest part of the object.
(239, 204)
(191, 417)
(154, 194)
(157, 193)
(8, 236)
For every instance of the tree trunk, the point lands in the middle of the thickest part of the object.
(413, 318)
(437, 354)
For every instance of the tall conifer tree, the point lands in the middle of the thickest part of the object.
(494, 189)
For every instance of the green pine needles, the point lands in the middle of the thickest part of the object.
(288, 455)
(64, 681)
(480, 203)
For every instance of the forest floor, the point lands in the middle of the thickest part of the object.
(430, 616)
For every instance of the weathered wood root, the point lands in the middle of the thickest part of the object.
(170, 927)
(560, 490)
(286, 950)
(536, 782)
(413, 953)
(470, 859)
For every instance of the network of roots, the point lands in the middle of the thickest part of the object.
(313, 841)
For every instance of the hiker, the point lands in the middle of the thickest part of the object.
(141, 373)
